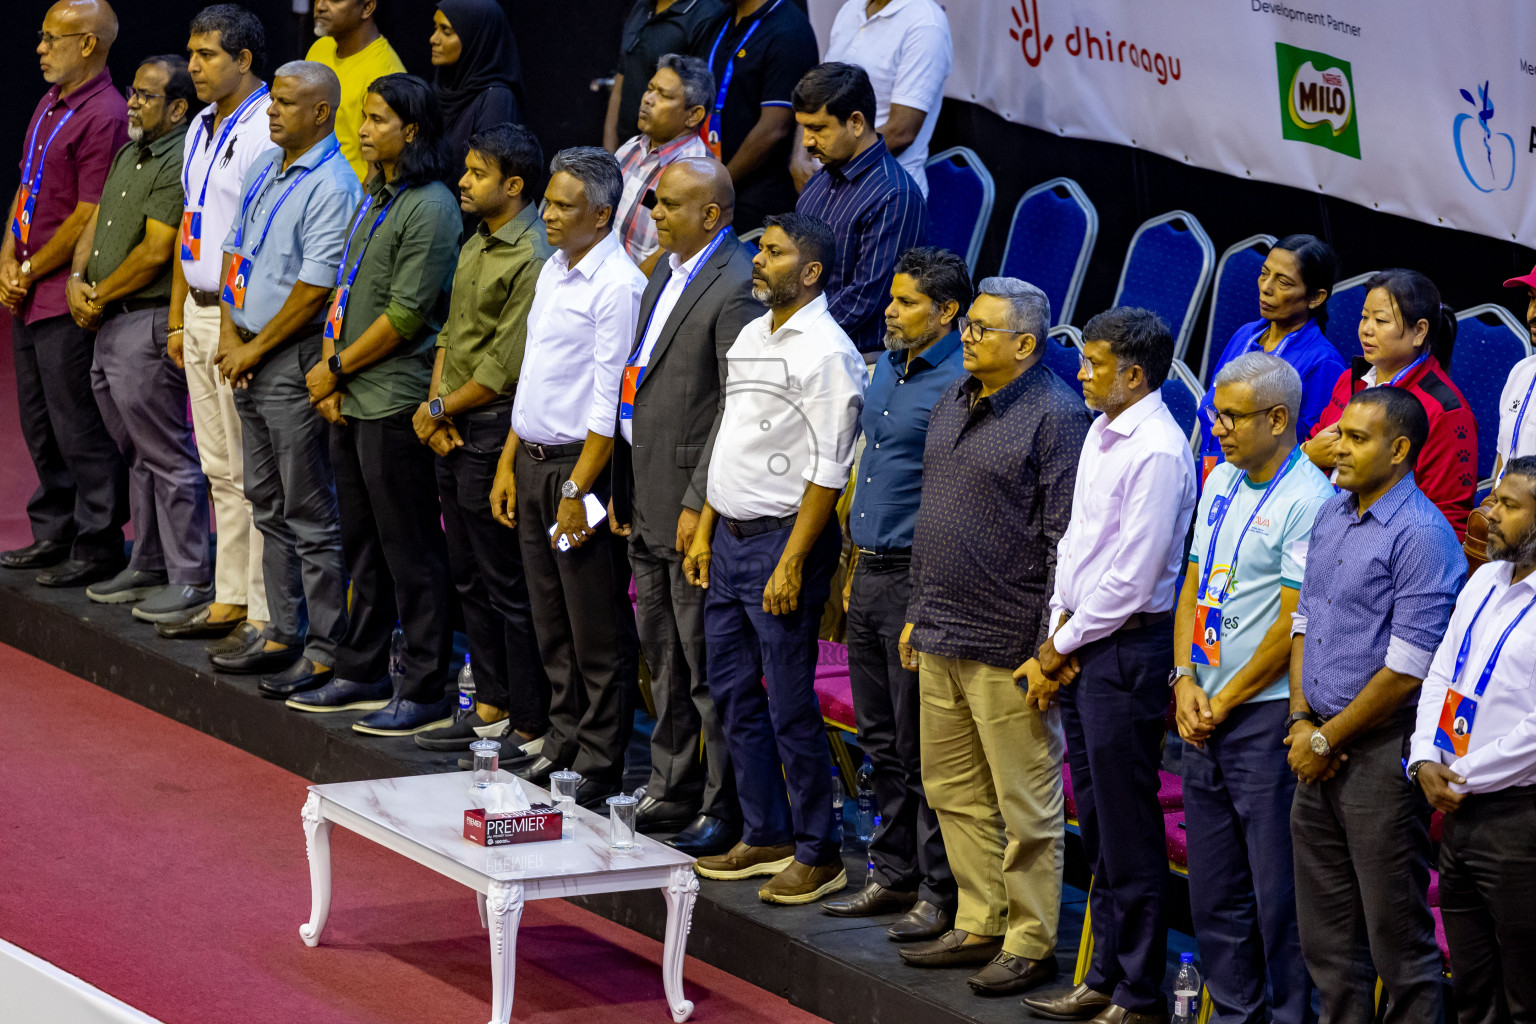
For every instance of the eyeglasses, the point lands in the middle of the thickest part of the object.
(1087, 367)
(48, 38)
(131, 94)
(978, 332)
(1228, 420)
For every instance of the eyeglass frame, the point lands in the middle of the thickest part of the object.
(50, 40)
(1215, 416)
(963, 324)
(130, 92)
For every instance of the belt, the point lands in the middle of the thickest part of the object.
(544, 452)
(892, 558)
(202, 298)
(1136, 620)
(307, 331)
(744, 528)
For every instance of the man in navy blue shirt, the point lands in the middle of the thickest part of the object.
(876, 210)
(910, 872)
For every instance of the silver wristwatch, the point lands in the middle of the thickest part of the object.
(570, 490)
(1320, 745)
(1180, 672)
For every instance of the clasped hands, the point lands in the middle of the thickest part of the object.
(322, 384)
(84, 306)
(1046, 673)
(439, 435)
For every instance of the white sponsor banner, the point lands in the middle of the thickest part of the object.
(1422, 108)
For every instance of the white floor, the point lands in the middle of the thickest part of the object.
(34, 991)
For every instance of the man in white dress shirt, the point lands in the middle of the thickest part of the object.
(1517, 424)
(554, 464)
(1117, 572)
(1474, 755)
(793, 393)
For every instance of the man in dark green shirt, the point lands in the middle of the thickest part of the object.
(391, 290)
(121, 285)
(465, 421)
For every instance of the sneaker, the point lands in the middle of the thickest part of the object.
(513, 757)
(743, 861)
(460, 734)
(801, 883)
(172, 602)
(129, 585)
(342, 695)
(400, 717)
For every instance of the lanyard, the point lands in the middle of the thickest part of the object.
(1493, 659)
(35, 181)
(698, 265)
(730, 64)
(1405, 371)
(362, 211)
(1221, 515)
(256, 188)
(1255, 342)
(229, 126)
(1514, 438)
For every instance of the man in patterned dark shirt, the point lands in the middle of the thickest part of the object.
(998, 472)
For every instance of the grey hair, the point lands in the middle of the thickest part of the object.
(1030, 308)
(596, 169)
(698, 81)
(1273, 380)
(316, 76)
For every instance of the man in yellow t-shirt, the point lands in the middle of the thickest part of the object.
(351, 46)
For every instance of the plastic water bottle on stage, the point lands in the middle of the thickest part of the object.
(1186, 991)
(466, 691)
(837, 805)
(866, 794)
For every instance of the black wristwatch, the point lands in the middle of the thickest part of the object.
(1413, 770)
(334, 365)
(1298, 716)
(435, 408)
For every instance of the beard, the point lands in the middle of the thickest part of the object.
(135, 132)
(895, 342)
(775, 296)
(1522, 551)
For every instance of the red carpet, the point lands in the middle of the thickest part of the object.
(168, 869)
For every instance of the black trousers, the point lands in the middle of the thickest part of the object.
(585, 628)
(1488, 904)
(393, 542)
(487, 565)
(82, 489)
(908, 848)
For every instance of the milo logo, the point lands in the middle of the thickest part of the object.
(1317, 99)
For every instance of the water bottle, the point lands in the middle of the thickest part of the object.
(837, 806)
(466, 691)
(866, 795)
(397, 660)
(1186, 991)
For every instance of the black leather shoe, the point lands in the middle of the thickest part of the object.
(706, 836)
(949, 950)
(1113, 1014)
(255, 659)
(873, 899)
(593, 795)
(198, 626)
(1008, 975)
(663, 815)
(924, 921)
(77, 572)
(296, 678)
(238, 640)
(1082, 1003)
(537, 772)
(40, 554)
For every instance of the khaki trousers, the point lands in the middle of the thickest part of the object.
(992, 772)
(237, 573)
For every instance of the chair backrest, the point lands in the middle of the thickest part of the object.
(749, 239)
(1050, 241)
(1181, 394)
(1489, 342)
(1234, 296)
(1063, 354)
(960, 197)
(1344, 305)
(1167, 268)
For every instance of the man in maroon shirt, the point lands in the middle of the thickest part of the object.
(80, 504)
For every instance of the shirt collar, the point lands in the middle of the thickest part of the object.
(862, 163)
(930, 357)
(681, 7)
(687, 266)
(888, 10)
(800, 321)
(1386, 506)
(1126, 423)
(159, 147)
(73, 101)
(307, 159)
(1505, 571)
(588, 264)
(513, 229)
(1004, 397)
(667, 151)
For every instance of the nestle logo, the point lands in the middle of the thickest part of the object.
(1333, 78)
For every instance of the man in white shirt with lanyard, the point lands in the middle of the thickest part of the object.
(1474, 755)
(1517, 424)
(226, 47)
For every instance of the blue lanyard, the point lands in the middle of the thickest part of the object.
(362, 211)
(229, 125)
(256, 188)
(35, 181)
(1221, 517)
(1255, 342)
(1405, 371)
(730, 64)
(1514, 438)
(698, 265)
(1493, 659)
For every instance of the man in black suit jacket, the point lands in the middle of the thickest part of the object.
(697, 301)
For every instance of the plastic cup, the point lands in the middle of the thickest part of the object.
(487, 759)
(621, 821)
(562, 786)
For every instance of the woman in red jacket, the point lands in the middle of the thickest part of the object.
(1407, 335)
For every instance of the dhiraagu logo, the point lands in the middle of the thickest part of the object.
(1317, 100)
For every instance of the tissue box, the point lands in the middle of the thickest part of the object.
(503, 828)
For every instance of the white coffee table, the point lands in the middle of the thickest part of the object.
(421, 817)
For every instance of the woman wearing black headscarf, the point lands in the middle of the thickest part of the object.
(479, 76)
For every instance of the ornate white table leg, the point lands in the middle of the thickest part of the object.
(317, 837)
(680, 894)
(480, 902)
(505, 906)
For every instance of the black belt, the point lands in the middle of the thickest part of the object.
(891, 558)
(202, 298)
(121, 306)
(744, 528)
(307, 331)
(544, 452)
(1136, 620)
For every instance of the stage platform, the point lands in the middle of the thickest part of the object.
(842, 970)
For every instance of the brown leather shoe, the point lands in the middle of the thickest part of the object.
(1113, 1014)
(1082, 1003)
(924, 921)
(873, 899)
(743, 861)
(1008, 974)
(949, 950)
(802, 883)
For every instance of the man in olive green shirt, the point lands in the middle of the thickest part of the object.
(375, 370)
(465, 421)
(121, 285)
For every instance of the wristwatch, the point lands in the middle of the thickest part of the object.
(26, 267)
(1180, 672)
(334, 365)
(1299, 716)
(570, 490)
(1320, 744)
(1413, 771)
(435, 408)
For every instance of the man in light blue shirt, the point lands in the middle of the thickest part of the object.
(1232, 649)
(280, 262)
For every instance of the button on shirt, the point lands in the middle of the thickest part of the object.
(580, 329)
(998, 475)
(493, 287)
(642, 167)
(906, 49)
(895, 424)
(1131, 504)
(666, 302)
(308, 231)
(792, 401)
(876, 213)
(144, 184)
(1378, 591)
(248, 140)
(649, 35)
(1517, 393)
(1501, 752)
